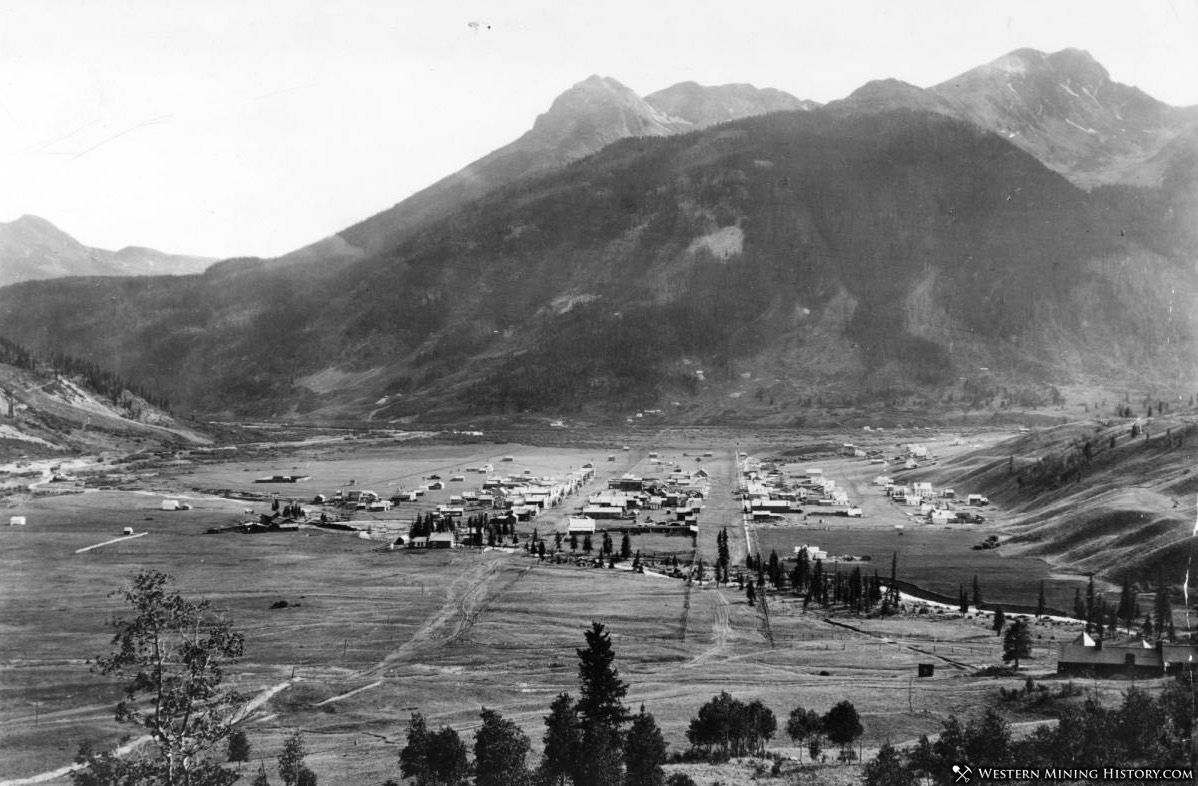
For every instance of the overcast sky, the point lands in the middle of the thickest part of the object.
(234, 127)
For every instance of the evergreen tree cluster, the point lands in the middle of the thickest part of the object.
(1141, 731)
(589, 741)
(89, 374)
(855, 589)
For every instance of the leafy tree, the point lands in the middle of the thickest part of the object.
(725, 727)
(1016, 643)
(987, 740)
(239, 746)
(500, 748)
(173, 652)
(413, 758)
(1000, 619)
(842, 724)
(888, 769)
(803, 724)
(760, 725)
(562, 741)
(291, 759)
(446, 759)
(644, 752)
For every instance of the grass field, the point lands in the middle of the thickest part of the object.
(371, 635)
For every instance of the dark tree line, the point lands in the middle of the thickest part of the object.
(1140, 731)
(91, 375)
(590, 741)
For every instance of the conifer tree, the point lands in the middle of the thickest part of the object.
(562, 742)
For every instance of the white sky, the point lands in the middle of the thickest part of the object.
(235, 127)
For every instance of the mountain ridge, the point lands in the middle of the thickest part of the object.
(878, 248)
(584, 119)
(33, 248)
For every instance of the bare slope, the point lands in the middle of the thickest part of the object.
(1091, 497)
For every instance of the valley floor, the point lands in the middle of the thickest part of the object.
(370, 634)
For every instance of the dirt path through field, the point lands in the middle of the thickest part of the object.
(721, 628)
(467, 597)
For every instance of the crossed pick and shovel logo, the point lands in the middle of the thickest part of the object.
(962, 772)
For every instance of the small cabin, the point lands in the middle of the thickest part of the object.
(16, 521)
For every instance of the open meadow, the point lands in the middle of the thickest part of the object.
(370, 634)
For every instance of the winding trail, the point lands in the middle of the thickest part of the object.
(261, 698)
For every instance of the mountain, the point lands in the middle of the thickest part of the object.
(33, 248)
(52, 406)
(583, 120)
(1064, 109)
(743, 270)
(888, 95)
(702, 106)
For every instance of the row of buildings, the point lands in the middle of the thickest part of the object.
(768, 494)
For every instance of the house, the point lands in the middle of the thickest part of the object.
(977, 499)
(940, 516)
(172, 504)
(627, 483)
(1085, 655)
(16, 521)
(813, 552)
(581, 526)
(603, 512)
(443, 540)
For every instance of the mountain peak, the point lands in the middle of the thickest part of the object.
(30, 221)
(1064, 109)
(1079, 64)
(703, 106)
(593, 113)
(883, 95)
